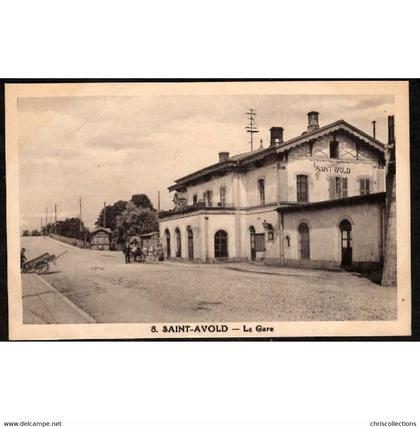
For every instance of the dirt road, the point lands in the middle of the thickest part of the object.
(101, 285)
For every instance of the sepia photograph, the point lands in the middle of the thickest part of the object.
(208, 209)
(210, 214)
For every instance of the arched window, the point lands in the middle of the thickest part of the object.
(190, 236)
(221, 244)
(270, 230)
(168, 243)
(346, 242)
(304, 251)
(178, 243)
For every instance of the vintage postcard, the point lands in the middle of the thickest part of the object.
(208, 210)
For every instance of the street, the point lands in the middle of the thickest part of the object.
(88, 286)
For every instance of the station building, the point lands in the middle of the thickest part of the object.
(316, 200)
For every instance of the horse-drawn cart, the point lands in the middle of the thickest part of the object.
(40, 264)
(139, 249)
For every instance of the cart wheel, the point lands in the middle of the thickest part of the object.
(42, 267)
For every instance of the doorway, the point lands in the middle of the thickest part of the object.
(304, 248)
(252, 243)
(178, 243)
(346, 243)
(190, 243)
(221, 244)
(168, 243)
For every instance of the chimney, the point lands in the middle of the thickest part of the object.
(313, 121)
(223, 156)
(374, 128)
(276, 136)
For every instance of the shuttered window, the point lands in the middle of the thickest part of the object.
(364, 186)
(208, 198)
(337, 187)
(222, 196)
(302, 188)
(261, 190)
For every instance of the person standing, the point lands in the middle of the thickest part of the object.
(22, 258)
(126, 250)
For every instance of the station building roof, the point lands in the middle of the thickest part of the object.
(345, 201)
(239, 160)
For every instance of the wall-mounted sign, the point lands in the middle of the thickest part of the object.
(332, 169)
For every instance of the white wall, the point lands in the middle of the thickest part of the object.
(325, 244)
(203, 246)
(300, 163)
(269, 173)
(212, 185)
(255, 218)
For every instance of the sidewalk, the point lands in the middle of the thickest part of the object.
(260, 268)
(42, 304)
(277, 270)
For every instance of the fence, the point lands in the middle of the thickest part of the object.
(70, 240)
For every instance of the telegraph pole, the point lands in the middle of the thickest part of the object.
(252, 126)
(82, 229)
(41, 226)
(104, 214)
(158, 201)
(80, 212)
(46, 220)
(55, 218)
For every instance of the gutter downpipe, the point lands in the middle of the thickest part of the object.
(281, 239)
(206, 238)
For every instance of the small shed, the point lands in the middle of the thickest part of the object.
(100, 239)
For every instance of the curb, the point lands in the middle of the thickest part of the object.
(67, 245)
(82, 313)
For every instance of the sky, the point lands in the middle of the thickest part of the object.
(106, 148)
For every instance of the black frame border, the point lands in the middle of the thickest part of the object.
(414, 105)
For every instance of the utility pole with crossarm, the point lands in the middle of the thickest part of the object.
(252, 126)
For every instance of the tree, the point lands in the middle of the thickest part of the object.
(35, 233)
(26, 233)
(127, 219)
(142, 201)
(70, 227)
(111, 215)
(135, 221)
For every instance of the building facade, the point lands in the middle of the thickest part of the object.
(296, 202)
(100, 239)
